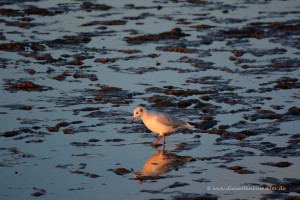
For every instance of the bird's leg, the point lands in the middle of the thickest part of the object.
(164, 139)
(164, 148)
(156, 141)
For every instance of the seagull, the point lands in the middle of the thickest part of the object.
(160, 123)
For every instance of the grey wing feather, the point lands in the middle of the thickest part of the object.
(169, 120)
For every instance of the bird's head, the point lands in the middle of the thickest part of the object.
(138, 112)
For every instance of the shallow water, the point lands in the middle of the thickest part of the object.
(236, 76)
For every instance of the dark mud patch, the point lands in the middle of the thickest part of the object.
(169, 97)
(22, 25)
(13, 156)
(180, 92)
(63, 126)
(106, 23)
(232, 135)
(26, 86)
(10, 133)
(294, 139)
(175, 33)
(83, 144)
(209, 80)
(35, 141)
(68, 40)
(139, 128)
(158, 100)
(12, 47)
(30, 71)
(206, 123)
(176, 185)
(240, 170)
(287, 83)
(52, 129)
(115, 140)
(178, 49)
(91, 77)
(38, 192)
(121, 171)
(28, 11)
(184, 146)
(201, 180)
(294, 110)
(100, 94)
(260, 53)
(43, 57)
(87, 174)
(32, 133)
(278, 164)
(283, 151)
(73, 169)
(237, 155)
(267, 148)
(93, 140)
(202, 26)
(229, 135)
(68, 131)
(89, 6)
(112, 95)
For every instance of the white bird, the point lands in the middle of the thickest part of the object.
(160, 123)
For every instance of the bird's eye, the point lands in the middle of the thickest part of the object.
(141, 110)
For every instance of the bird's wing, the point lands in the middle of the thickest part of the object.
(168, 120)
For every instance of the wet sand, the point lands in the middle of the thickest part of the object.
(72, 73)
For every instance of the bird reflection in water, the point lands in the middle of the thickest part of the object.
(159, 164)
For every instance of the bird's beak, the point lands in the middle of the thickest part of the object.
(132, 119)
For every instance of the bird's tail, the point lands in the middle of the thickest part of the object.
(192, 124)
(188, 124)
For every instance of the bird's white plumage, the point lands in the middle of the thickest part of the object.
(160, 123)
